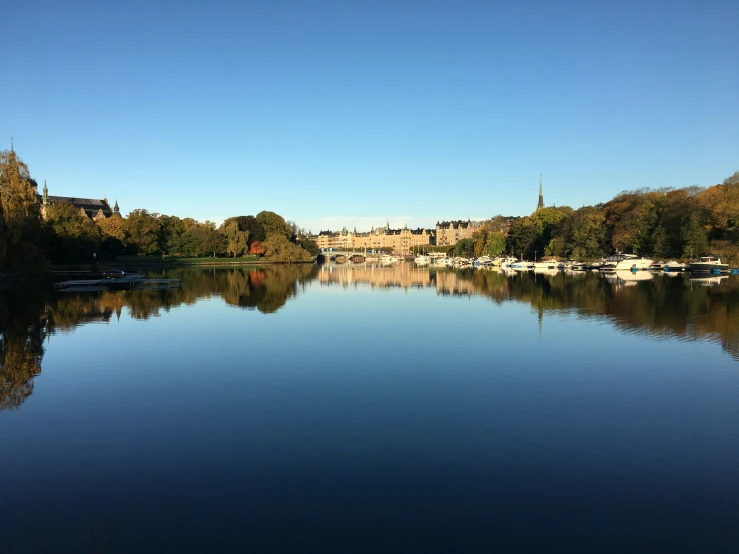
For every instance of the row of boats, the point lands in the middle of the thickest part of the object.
(615, 262)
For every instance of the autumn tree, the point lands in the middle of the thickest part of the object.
(257, 248)
(73, 236)
(114, 237)
(631, 219)
(22, 229)
(721, 203)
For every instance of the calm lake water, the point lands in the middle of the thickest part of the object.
(340, 409)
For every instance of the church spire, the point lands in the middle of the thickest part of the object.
(541, 195)
(116, 210)
(45, 197)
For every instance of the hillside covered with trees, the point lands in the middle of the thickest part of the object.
(28, 241)
(664, 223)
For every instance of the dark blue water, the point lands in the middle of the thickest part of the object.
(362, 410)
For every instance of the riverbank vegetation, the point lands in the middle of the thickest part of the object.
(28, 241)
(664, 223)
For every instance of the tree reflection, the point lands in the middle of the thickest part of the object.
(664, 306)
(667, 305)
(22, 333)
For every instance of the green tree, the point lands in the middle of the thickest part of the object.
(584, 233)
(464, 248)
(695, 237)
(250, 224)
(495, 243)
(273, 224)
(280, 249)
(522, 238)
(237, 241)
(309, 245)
(143, 229)
(208, 239)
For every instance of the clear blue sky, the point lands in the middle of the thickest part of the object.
(361, 112)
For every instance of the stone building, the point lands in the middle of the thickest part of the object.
(90, 207)
(339, 241)
(402, 241)
(449, 232)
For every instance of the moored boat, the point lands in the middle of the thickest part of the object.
(708, 264)
(620, 261)
(522, 265)
(550, 264)
(672, 267)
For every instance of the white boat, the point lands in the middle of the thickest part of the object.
(552, 264)
(620, 261)
(673, 266)
(507, 262)
(708, 264)
(522, 265)
(422, 260)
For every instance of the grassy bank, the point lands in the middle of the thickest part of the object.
(176, 261)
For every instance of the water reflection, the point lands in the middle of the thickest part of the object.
(678, 305)
(23, 328)
(660, 305)
(28, 316)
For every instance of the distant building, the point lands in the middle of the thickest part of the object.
(449, 232)
(402, 241)
(89, 207)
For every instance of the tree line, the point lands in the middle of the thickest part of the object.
(28, 241)
(663, 223)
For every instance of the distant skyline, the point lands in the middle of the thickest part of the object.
(361, 113)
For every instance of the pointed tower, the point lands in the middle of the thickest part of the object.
(541, 195)
(116, 210)
(45, 196)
